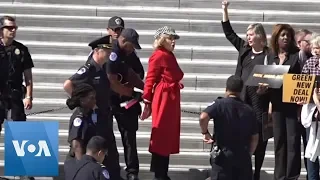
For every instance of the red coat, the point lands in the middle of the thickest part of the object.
(162, 88)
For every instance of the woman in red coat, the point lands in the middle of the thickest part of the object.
(162, 94)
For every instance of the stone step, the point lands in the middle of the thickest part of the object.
(257, 5)
(191, 139)
(187, 172)
(195, 157)
(44, 104)
(198, 66)
(126, 11)
(82, 49)
(193, 80)
(189, 127)
(192, 25)
(188, 94)
(282, 5)
(88, 35)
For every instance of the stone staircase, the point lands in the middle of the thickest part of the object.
(57, 33)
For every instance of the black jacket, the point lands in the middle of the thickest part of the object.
(243, 49)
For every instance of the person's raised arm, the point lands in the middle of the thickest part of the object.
(234, 39)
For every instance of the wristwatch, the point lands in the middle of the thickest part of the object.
(29, 97)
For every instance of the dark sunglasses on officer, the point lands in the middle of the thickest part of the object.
(10, 28)
(118, 29)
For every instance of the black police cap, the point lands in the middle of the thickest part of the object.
(115, 22)
(132, 36)
(104, 42)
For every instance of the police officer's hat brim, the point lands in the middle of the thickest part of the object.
(114, 27)
(105, 46)
(103, 42)
(137, 45)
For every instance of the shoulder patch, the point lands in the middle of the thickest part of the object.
(113, 56)
(106, 174)
(81, 71)
(77, 122)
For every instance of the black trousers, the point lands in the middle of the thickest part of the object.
(287, 146)
(160, 166)
(231, 166)
(259, 154)
(128, 125)
(17, 111)
(105, 129)
(304, 141)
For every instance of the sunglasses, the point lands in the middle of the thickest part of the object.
(117, 29)
(10, 28)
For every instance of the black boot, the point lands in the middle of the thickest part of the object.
(132, 177)
(256, 175)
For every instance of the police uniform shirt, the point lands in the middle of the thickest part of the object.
(89, 169)
(234, 122)
(94, 75)
(81, 127)
(134, 62)
(4, 68)
(19, 60)
(116, 63)
(120, 66)
(69, 167)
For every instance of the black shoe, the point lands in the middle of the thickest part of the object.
(132, 177)
(3, 178)
(256, 176)
(26, 178)
(162, 178)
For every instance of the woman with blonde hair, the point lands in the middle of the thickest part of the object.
(162, 94)
(251, 52)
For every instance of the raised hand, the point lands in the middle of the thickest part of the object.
(225, 4)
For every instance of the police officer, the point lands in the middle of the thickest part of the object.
(93, 73)
(127, 119)
(236, 134)
(124, 46)
(82, 125)
(19, 64)
(89, 166)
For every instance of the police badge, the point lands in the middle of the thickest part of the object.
(17, 51)
(118, 21)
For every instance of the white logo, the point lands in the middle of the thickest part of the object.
(42, 144)
(106, 174)
(113, 56)
(77, 122)
(81, 71)
(117, 21)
